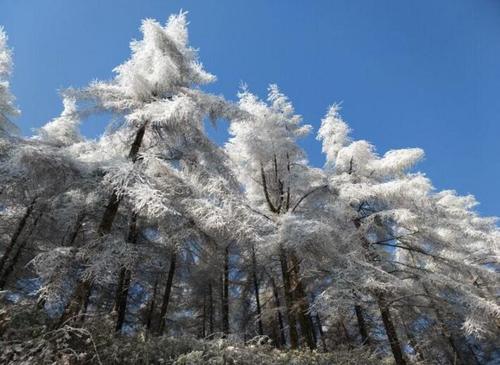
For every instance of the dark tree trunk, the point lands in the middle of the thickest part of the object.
(122, 300)
(149, 316)
(320, 330)
(225, 294)
(204, 317)
(168, 290)
(109, 215)
(81, 292)
(13, 262)
(275, 330)
(313, 329)
(363, 331)
(300, 298)
(278, 311)
(83, 287)
(345, 332)
(256, 290)
(76, 230)
(210, 310)
(136, 145)
(124, 279)
(287, 284)
(119, 288)
(17, 233)
(74, 234)
(390, 330)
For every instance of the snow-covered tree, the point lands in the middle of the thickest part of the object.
(8, 108)
(151, 243)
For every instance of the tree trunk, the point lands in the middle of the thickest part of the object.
(302, 303)
(278, 310)
(149, 316)
(74, 305)
(168, 290)
(124, 280)
(292, 326)
(320, 330)
(365, 338)
(345, 332)
(204, 317)
(210, 310)
(83, 288)
(390, 330)
(225, 294)
(17, 233)
(256, 290)
(76, 230)
(13, 262)
(122, 300)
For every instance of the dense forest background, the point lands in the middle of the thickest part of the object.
(152, 244)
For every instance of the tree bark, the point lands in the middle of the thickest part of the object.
(17, 233)
(256, 290)
(210, 310)
(278, 311)
(74, 305)
(13, 262)
(365, 338)
(320, 330)
(390, 330)
(287, 284)
(149, 316)
(300, 298)
(124, 280)
(204, 317)
(76, 230)
(225, 294)
(168, 290)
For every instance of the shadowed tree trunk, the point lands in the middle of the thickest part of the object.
(17, 233)
(287, 285)
(124, 280)
(345, 333)
(210, 310)
(13, 262)
(76, 229)
(320, 330)
(225, 294)
(149, 316)
(256, 290)
(390, 330)
(300, 299)
(278, 312)
(363, 331)
(204, 317)
(167, 292)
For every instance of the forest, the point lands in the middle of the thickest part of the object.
(152, 244)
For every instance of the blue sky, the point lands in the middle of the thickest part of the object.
(408, 73)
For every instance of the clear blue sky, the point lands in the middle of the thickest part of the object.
(409, 73)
